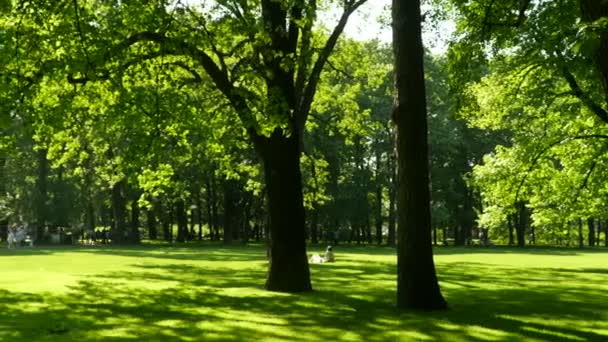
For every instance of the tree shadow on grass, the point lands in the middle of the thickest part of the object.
(353, 301)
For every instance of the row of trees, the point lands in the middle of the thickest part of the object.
(196, 169)
(540, 81)
(113, 110)
(154, 113)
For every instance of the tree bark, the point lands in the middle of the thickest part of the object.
(288, 271)
(3, 221)
(592, 10)
(41, 194)
(417, 285)
(314, 226)
(152, 231)
(580, 233)
(164, 212)
(598, 228)
(134, 233)
(510, 220)
(605, 233)
(392, 194)
(379, 219)
(521, 223)
(591, 234)
(215, 216)
(199, 209)
(118, 212)
(230, 211)
(182, 220)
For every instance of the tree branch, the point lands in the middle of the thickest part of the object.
(587, 101)
(311, 88)
(217, 75)
(546, 149)
(305, 48)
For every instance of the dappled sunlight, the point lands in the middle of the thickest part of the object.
(142, 296)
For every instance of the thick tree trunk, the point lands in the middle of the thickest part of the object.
(288, 269)
(591, 234)
(592, 10)
(417, 286)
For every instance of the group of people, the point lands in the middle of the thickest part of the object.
(91, 236)
(17, 234)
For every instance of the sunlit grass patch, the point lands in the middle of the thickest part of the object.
(213, 293)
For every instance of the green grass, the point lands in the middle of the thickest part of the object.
(212, 293)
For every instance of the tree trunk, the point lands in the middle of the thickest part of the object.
(215, 216)
(182, 220)
(379, 220)
(193, 212)
(210, 217)
(41, 194)
(314, 226)
(152, 231)
(591, 234)
(3, 221)
(580, 233)
(288, 269)
(392, 194)
(417, 286)
(598, 229)
(164, 213)
(199, 209)
(591, 11)
(230, 211)
(605, 233)
(118, 212)
(510, 220)
(134, 233)
(520, 226)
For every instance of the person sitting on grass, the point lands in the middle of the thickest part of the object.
(328, 257)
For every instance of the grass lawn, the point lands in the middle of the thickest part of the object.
(213, 293)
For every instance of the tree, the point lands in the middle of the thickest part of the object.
(417, 285)
(536, 84)
(262, 57)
